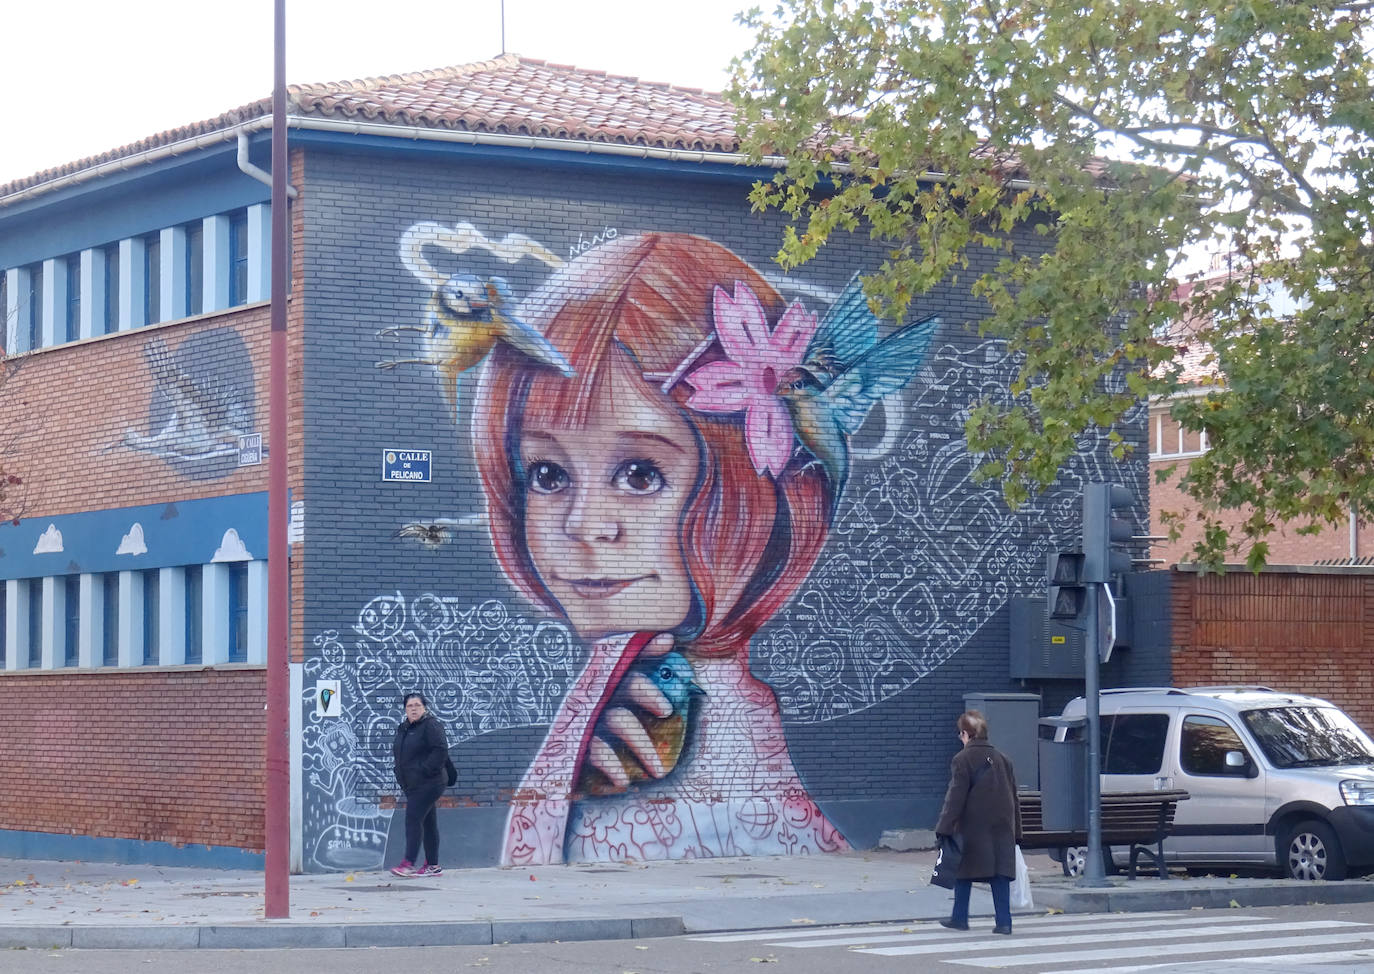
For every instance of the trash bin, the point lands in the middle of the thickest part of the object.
(1063, 771)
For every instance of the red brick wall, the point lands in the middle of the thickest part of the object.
(157, 755)
(1308, 632)
(73, 402)
(1286, 545)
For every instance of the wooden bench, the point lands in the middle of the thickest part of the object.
(1138, 819)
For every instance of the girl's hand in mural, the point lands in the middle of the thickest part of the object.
(634, 738)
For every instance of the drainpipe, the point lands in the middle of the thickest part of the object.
(261, 175)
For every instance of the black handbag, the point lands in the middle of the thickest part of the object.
(950, 851)
(950, 854)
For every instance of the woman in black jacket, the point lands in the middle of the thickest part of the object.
(982, 810)
(420, 751)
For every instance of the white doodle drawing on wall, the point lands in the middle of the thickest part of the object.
(356, 836)
(900, 589)
(482, 669)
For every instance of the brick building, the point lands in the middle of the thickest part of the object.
(1172, 448)
(540, 369)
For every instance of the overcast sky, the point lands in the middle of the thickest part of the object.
(83, 76)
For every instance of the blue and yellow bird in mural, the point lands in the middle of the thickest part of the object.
(464, 320)
(672, 675)
(845, 370)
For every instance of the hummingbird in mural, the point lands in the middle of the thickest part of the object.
(672, 675)
(464, 319)
(844, 371)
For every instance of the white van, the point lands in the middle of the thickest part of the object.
(1275, 779)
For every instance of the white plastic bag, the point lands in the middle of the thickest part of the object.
(1020, 886)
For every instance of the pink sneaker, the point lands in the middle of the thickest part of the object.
(404, 868)
(428, 870)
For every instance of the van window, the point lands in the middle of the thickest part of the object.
(1134, 743)
(1308, 737)
(1203, 743)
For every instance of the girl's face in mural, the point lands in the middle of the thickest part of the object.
(602, 508)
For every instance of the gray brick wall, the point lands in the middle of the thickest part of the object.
(869, 682)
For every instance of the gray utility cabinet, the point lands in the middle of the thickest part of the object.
(1013, 722)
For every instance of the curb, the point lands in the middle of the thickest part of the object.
(276, 936)
(1122, 899)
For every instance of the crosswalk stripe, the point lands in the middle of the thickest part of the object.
(1298, 959)
(1058, 921)
(983, 943)
(1152, 950)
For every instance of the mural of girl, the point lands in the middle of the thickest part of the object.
(665, 502)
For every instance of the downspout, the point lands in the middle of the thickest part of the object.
(261, 175)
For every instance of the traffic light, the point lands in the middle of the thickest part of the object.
(1104, 533)
(1066, 595)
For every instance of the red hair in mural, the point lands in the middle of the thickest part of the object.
(747, 539)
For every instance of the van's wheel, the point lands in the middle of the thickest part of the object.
(1072, 862)
(1076, 857)
(1310, 850)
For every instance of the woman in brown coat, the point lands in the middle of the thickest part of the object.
(981, 809)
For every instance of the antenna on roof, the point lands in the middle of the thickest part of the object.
(503, 26)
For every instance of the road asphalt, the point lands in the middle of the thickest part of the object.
(107, 905)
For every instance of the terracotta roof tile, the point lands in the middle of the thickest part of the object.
(508, 95)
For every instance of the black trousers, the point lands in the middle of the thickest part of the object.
(422, 821)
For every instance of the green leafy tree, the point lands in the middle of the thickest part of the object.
(1126, 135)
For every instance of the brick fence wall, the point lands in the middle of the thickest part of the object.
(1301, 629)
(147, 754)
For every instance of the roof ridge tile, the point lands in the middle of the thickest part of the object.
(375, 82)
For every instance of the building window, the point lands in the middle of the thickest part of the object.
(238, 612)
(73, 309)
(238, 258)
(152, 278)
(152, 618)
(35, 622)
(194, 576)
(4, 617)
(109, 648)
(72, 621)
(1170, 441)
(112, 288)
(35, 309)
(195, 267)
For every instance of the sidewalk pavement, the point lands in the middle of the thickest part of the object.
(89, 905)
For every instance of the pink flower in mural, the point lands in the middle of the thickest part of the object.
(747, 379)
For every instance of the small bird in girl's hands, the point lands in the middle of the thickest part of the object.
(644, 728)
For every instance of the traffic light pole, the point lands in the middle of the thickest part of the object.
(1078, 586)
(1101, 560)
(1094, 871)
